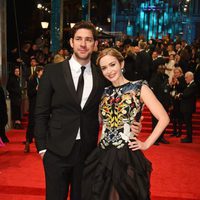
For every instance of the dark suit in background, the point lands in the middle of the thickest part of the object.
(159, 85)
(188, 107)
(142, 65)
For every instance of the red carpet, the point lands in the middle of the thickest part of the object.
(175, 176)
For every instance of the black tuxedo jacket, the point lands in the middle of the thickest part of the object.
(58, 115)
(143, 65)
(188, 99)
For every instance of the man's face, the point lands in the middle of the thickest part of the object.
(154, 55)
(188, 78)
(83, 44)
(33, 62)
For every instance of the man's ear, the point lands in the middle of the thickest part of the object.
(71, 42)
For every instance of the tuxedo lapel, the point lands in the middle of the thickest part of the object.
(95, 85)
(68, 79)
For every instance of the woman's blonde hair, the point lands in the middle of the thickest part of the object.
(111, 52)
(179, 69)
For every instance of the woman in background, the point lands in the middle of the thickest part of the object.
(15, 94)
(3, 117)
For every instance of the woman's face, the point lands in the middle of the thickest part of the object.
(111, 68)
(16, 72)
(177, 73)
(40, 73)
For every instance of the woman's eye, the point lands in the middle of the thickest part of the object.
(103, 68)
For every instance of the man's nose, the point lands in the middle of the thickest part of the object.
(83, 42)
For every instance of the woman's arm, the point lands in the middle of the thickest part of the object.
(159, 113)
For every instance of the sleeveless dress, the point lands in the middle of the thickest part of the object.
(113, 171)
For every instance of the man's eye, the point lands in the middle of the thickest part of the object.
(89, 40)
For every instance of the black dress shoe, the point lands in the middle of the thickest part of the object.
(5, 140)
(173, 134)
(164, 141)
(186, 140)
(27, 148)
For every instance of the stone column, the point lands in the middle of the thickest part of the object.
(56, 24)
(114, 15)
(85, 9)
(3, 55)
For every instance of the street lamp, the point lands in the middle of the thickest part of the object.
(45, 25)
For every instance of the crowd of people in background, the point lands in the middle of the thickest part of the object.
(164, 63)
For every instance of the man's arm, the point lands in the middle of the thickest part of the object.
(42, 111)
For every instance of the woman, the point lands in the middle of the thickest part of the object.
(15, 94)
(169, 70)
(32, 88)
(117, 168)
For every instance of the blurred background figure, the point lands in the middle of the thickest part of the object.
(177, 85)
(170, 66)
(32, 88)
(15, 94)
(129, 67)
(59, 56)
(3, 117)
(160, 86)
(188, 105)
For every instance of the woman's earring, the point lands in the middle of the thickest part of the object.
(122, 70)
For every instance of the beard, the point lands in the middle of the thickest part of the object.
(85, 57)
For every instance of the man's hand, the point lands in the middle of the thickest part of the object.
(136, 127)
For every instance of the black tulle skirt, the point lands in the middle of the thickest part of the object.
(116, 174)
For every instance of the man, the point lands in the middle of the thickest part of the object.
(66, 125)
(143, 63)
(159, 85)
(30, 71)
(188, 105)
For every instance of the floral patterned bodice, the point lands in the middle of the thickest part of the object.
(119, 108)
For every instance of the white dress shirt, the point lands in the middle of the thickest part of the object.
(88, 81)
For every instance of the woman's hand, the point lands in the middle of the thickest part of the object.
(136, 144)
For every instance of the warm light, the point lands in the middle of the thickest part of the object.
(108, 20)
(72, 25)
(39, 5)
(44, 25)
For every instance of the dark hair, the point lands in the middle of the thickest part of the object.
(84, 25)
(39, 68)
